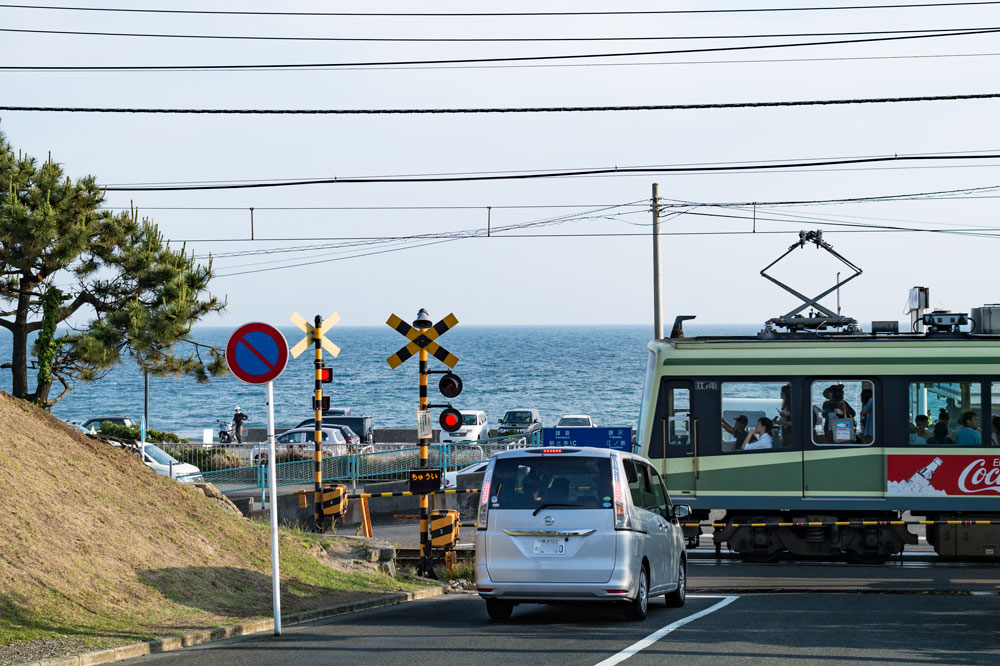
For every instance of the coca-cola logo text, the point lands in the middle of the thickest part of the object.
(978, 478)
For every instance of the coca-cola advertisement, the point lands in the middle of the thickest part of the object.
(943, 475)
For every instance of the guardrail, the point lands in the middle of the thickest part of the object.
(391, 463)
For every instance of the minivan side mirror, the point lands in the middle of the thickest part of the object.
(681, 511)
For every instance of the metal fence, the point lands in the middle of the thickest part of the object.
(386, 463)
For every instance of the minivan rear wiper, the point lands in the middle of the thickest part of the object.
(545, 506)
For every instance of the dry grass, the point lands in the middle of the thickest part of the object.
(97, 546)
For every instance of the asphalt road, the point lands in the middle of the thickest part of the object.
(770, 629)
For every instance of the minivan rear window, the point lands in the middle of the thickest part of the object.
(573, 482)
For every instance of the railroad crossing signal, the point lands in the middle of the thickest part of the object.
(308, 329)
(450, 419)
(422, 336)
(450, 385)
(422, 340)
(314, 335)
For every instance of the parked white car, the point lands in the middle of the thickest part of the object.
(474, 428)
(301, 440)
(163, 463)
(451, 478)
(576, 421)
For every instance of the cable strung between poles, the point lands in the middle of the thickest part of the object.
(511, 109)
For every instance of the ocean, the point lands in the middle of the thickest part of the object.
(596, 370)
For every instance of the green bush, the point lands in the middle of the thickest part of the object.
(109, 429)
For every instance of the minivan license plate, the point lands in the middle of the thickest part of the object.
(550, 546)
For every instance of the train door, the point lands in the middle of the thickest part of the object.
(751, 445)
(843, 453)
(673, 438)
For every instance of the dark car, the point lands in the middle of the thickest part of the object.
(520, 421)
(361, 425)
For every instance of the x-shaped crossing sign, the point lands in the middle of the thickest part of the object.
(308, 329)
(422, 341)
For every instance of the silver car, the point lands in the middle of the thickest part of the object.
(577, 524)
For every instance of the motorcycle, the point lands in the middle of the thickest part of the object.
(227, 431)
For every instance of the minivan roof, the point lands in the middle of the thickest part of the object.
(566, 450)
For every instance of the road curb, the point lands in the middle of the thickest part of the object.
(171, 643)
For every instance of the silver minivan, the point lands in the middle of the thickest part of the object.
(577, 524)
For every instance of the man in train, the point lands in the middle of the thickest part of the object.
(760, 438)
(738, 429)
(969, 434)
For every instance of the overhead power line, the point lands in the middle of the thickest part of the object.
(508, 109)
(536, 58)
(959, 193)
(551, 174)
(736, 10)
(432, 40)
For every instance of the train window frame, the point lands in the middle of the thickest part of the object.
(985, 400)
(672, 417)
(994, 405)
(823, 384)
(783, 410)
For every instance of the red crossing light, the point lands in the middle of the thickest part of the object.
(326, 375)
(450, 419)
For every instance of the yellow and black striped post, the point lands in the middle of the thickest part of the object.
(425, 564)
(318, 414)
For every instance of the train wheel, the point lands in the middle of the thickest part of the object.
(868, 558)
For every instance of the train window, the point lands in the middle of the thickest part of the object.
(843, 412)
(744, 404)
(995, 418)
(679, 417)
(943, 413)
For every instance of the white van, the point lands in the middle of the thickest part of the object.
(577, 524)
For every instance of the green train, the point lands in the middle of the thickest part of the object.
(825, 424)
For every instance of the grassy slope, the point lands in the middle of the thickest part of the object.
(95, 545)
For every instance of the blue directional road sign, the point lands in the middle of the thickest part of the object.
(619, 439)
(257, 353)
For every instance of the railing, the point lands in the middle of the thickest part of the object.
(386, 463)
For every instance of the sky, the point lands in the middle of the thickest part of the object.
(595, 265)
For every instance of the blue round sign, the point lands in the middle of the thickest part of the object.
(256, 353)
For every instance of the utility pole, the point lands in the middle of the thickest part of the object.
(657, 314)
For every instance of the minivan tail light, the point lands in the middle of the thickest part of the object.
(484, 496)
(621, 515)
(551, 450)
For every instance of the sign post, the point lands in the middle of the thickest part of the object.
(422, 336)
(314, 332)
(257, 353)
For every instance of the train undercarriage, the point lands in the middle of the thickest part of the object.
(757, 537)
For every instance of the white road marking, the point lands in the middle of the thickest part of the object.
(635, 648)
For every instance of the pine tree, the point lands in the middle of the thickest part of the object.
(129, 294)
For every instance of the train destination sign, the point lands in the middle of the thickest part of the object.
(256, 353)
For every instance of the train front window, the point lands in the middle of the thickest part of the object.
(843, 412)
(756, 415)
(947, 413)
(679, 417)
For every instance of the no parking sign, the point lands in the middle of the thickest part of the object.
(256, 353)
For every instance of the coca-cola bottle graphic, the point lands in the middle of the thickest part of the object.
(923, 477)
